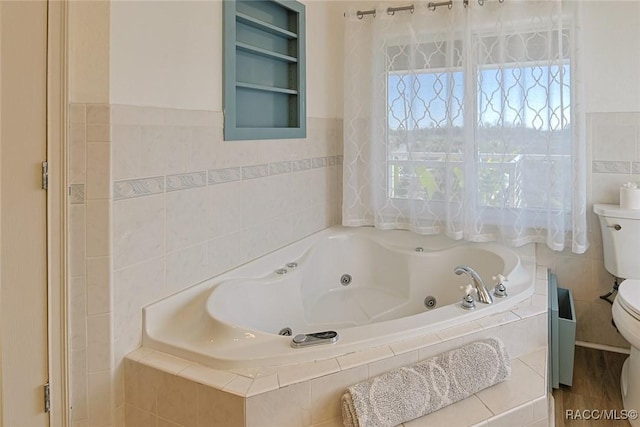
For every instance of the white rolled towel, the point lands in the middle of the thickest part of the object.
(413, 391)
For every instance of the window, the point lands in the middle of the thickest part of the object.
(510, 130)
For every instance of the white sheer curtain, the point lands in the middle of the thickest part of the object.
(466, 121)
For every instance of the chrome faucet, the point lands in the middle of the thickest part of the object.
(481, 289)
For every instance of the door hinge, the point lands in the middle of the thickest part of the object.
(47, 398)
(45, 175)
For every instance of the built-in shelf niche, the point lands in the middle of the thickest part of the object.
(264, 69)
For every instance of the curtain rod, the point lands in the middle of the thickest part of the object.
(431, 6)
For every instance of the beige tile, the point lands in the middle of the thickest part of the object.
(415, 343)
(77, 113)
(542, 287)
(266, 410)
(77, 153)
(460, 414)
(76, 236)
(540, 423)
(541, 409)
(98, 114)
(305, 371)
(139, 418)
(139, 353)
(533, 306)
(78, 312)
(525, 336)
(165, 362)
(520, 416)
(98, 342)
(263, 385)
(141, 386)
(360, 358)
(98, 285)
(98, 133)
(522, 386)
(458, 331)
(239, 386)
(497, 319)
(100, 398)
(78, 384)
(219, 409)
(536, 360)
(207, 376)
(326, 392)
(542, 272)
(98, 220)
(178, 400)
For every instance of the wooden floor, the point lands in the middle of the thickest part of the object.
(596, 385)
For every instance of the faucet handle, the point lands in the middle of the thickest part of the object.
(467, 289)
(500, 289)
(500, 278)
(467, 301)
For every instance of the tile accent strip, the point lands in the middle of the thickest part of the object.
(76, 194)
(129, 188)
(218, 176)
(138, 187)
(635, 168)
(186, 180)
(610, 166)
(257, 171)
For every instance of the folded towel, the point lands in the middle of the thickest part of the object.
(412, 391)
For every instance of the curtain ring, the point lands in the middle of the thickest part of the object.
(359, 14)
(413, 9)
(500, 1)
(391, 12)
(431, 6)
(450, 5)
(481, 2)
(465, 3)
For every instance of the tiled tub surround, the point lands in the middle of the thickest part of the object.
(163, 388)
(128, 249)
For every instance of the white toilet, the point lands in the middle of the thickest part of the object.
(621, 244)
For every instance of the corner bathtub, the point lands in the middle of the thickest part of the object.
(232, 321)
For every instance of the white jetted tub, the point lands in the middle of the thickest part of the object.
(367, 285)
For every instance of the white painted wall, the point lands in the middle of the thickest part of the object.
(88, 29)
(611, 30)
(169, 54)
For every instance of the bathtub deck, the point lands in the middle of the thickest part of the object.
(161, 387)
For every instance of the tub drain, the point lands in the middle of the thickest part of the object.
(287, 332)
(345, 279)
(430, 302)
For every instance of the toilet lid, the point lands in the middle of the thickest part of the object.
(629, 294)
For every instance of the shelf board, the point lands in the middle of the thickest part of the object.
(266, 88)
(266, 53)
(256, 23)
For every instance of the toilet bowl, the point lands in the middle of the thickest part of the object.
(620, 242)
(626, 315)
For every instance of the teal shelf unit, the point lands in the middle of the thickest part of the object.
(264, 69)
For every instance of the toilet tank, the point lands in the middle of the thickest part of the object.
(620, 240)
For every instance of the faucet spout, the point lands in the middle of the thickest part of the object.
(484, 295)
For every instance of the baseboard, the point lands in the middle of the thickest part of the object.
(603, 347)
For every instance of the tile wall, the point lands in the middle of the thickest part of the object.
(158, 202)
(613, 140)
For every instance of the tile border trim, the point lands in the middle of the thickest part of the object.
(131, 188)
